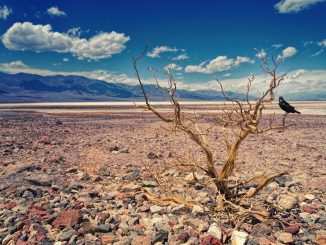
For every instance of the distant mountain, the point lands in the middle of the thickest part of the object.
(22, 87)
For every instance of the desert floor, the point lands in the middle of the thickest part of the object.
(77, 175)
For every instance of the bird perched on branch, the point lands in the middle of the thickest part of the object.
(285, 106)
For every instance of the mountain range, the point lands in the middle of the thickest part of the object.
(23, 87)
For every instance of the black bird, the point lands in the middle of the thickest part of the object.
(285, 106)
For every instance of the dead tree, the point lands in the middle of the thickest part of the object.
(241, 117)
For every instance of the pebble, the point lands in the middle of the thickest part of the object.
(239, 237)
(287, 202)
(65, 236)
(284, 237)
(157, 209)
(215, 230)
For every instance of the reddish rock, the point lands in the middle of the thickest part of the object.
(67, 218)
(35, 212)
(211, 240)
(10, 205)
(293, 229)
(307, 209)
(264, 241)
(320, 240)
(107, 239)
(20, 242)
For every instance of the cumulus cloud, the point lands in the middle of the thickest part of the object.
(65, 59)
(41, 38)
(55, 11)
(4, 12)
(181, 57)
(287, 52)
(220, 63)
(322, 43)
(155, 53)
(294, 6)
(173, 66)
(14, 65)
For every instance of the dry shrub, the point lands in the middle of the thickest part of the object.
(240, 118)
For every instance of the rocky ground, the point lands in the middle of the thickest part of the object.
(79, 179)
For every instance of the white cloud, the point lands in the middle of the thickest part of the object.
(277, 45)
(55, 11)
(4, 12)
(41, 38)
(227, 75)
(155, 53)
(322, 43)
(74, 32)
(101, 46)
(173, 66)
(65, 59)
(14, 65)
(317, 53)
(220, 63)
(287, 52)
(181, 57)
(294, 6)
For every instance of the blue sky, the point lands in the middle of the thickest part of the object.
(201, 39)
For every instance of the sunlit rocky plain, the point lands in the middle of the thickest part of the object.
(74, 173)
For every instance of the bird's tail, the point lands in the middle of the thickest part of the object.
(297, 111)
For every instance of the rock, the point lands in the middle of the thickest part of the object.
(45, 140)
(141, 240)
(152, 156)
(28, 194)
(215, 230)
(239, 238)
(150, 183)
(183, 237)
(7, 239)
(293, 229)
(130, 187)
(74, 186)
(320, 240)
(157, 209)
(179, 209)
(161, 236)
(309, 197)
(103, 228)
(65, 236)
(67, 218)
(108, 238)
(211, 240)
(281, 181)
(284, 237)
(72, 170)
(39, 182)
(308, 218)
(273, 185)
(322, 220)
(287, 202)
(197, 210)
